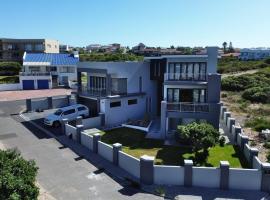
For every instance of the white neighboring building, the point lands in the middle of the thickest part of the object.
(48, 70)
(254, 53)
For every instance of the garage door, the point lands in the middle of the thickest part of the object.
(28, 84)
(43, 84)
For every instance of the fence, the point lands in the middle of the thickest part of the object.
(146, 172)
(11, 86)
(49, 102)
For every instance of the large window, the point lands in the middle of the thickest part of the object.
(187, 71)
(98, 83)
(119, 86)
(67, 70)
(132, 101)
(186, 95)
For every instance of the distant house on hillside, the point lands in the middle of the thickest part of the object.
(254, 53)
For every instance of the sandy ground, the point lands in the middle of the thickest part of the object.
(24, 94)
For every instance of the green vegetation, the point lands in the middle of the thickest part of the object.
(17, 177)
(200, 136)
(255, 87)
(9, 79)
(107, 57)
(258, 123)
(232, 64)
(135, 144)
(10, 68)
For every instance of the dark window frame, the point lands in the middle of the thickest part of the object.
(115, 104)
(132, 101)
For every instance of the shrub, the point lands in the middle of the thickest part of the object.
(200, 136)
(17, 176)
(267, 61)
(224, 95)
(257, 94)
(10, 68)
(267, 145)
(258, 123)
(268, 157)
(222, 141)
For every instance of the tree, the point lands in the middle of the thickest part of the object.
(17, 177)
(224, 44)
(231, 49)
(172, 47)
(200, 136)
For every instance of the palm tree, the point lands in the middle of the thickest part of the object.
(224, 46)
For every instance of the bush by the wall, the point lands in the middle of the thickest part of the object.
(10, 68)
(258, 123)
(257, 94)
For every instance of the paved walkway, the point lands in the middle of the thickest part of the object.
(24, 94)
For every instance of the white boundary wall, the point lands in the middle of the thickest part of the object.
(130, 164)
(87, 140)
(168, 175)
(105, 150)
(256, 164)
(10, 86)
(245, 179)
(145, 129)
(71, 130)
(247, 151)
(206, 177)
(93, 122)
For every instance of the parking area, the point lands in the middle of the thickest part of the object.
(24, 94)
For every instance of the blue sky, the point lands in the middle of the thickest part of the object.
(154, 22)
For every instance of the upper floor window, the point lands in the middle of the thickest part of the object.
(67, 69)
(28, 47)
(39, 47)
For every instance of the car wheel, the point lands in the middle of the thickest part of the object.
(83, 116)
(56, 124)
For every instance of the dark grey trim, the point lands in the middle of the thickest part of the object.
(116, 148)
(244, 140)
(28, 105)
(79, 120)
(188, 173)
(147, 170)
(102, 119)
(96, 138)
(79, 133)
(50, 103)
(224, 175)
(89, 70)
(63, 125)
(265, 184)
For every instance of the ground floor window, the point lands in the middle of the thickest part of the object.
(115, 104)
(132, 101)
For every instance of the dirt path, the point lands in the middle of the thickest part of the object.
(240, 73)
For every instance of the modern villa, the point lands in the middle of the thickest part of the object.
(173, 90)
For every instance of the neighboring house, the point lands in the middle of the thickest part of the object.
(13, 49)
(64, 48)
(254, 54)
(229, 55)
(48, 70)
(174, 89)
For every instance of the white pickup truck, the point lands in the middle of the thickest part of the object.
(70, 113)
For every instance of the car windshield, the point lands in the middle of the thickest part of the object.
(58, 112)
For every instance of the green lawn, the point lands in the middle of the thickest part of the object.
(135, 144)
(9, 79)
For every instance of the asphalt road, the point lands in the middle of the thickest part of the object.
(67, 171)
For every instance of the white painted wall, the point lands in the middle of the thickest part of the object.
(246, 151)
(105, 150)
(13, 86)
(71, 130)
(60, 102)
(206, 177)
(168, 175)
(245, 179)
(40, 104)
(87, 140)
(239, 139)
(130, 164)
(93, 122)
(256, 164)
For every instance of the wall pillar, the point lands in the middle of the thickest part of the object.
(188, 173)
(68, 99)
(96, 138)
(63, 126)
(238, 130)
(244, 140)
(223, 110)
(252, 152)
(79, 120)
(226, 116)
(79, 133)
(28, 105)
(231, 123)
(116, 148)
(224, 175)
(265, 184)
(147, 169)
(102, 119)
(163, 119)
(50, 103)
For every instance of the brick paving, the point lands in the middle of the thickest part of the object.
(24, 94)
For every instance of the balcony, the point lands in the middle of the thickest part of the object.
(91, 92)
(188, 107)
(35, 74)
(184, 77)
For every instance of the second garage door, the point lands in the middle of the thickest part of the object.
(43, 84)
(28, 84)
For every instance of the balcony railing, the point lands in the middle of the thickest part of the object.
(185, 77)
(35, 74)
(95, 92)
(188, 107)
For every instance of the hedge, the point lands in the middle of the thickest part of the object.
(10, 68)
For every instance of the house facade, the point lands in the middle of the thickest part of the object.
(48, 70)
(173, 90)
(254, 53)
(13, 49)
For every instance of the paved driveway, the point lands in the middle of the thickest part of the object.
(71, 172)
(24, 94)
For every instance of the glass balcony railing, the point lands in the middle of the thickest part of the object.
(185, 77)
(188, 107)
(35, 74)
(95, 92)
